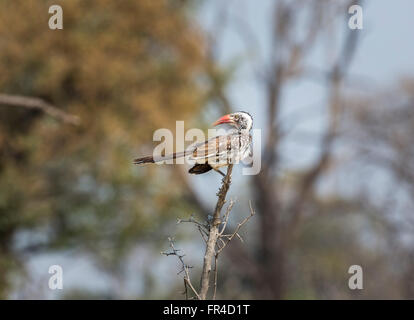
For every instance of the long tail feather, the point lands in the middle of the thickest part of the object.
(151, 159)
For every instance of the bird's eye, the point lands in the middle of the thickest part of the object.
(236, 117)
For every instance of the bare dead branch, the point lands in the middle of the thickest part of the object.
(192, 220)
(202, 228)
(214, 234)
(214, 239)
(215, 276)
(203, 235)
(230, 237)
(226, 216)
(37, 103)
(185, 289)
(185, 268)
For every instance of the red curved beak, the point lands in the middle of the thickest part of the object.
(223, 119)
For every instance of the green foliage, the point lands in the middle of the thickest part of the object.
(125, 68)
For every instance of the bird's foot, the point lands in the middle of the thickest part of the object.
(218, 170)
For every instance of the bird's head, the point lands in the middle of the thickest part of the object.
(241, 120)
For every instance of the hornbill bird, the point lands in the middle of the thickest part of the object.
(218, 151)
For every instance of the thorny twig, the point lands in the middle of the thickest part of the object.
(185, 267)
(228, 237)
(213, 233)
(202, 228)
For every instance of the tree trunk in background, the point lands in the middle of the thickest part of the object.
(270, 252)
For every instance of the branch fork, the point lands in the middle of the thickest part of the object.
(215, 237)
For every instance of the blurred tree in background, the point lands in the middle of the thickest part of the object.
(308, 230)
(125, 68)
